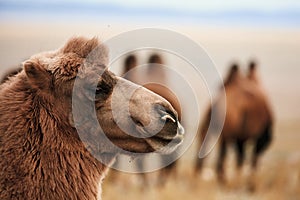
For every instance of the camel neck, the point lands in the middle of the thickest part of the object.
(39, 154)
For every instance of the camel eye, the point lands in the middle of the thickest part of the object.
(105, 85)
(103, 88)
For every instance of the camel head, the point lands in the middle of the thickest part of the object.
(74, 81)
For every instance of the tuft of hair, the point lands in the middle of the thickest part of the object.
(89, 49)
(80, 46)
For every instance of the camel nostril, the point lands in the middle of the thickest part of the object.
(166, 113)
(167, 116)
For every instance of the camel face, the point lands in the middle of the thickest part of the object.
(139, 121)
(145, 120)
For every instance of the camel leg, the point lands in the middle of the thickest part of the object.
(240, 149)
(252, 178)
(258, 149)
(143, 176)
(199, 161)
(220, 163)
(163, 176)
(199, 164)
(202, 134)
(169, 170)
(260, 146)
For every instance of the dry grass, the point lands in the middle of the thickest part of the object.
(273, 182)
(278, 177)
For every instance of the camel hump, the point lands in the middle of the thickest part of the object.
(156, 69)
(232, 74)
(155, 58)
(252, 71)
(130, 63)
(252, 65)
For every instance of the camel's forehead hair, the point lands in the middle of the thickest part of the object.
(89, 49)
(73, 54)
(80, 45)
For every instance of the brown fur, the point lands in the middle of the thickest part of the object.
(248, 117)
(37, 154)
(42, 156)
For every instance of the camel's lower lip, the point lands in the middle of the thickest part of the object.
(165, 146)
(178, 139)
(161, 140)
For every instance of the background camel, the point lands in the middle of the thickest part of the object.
(156, 79)
(155, 72)
(248, 118)
(42, 154)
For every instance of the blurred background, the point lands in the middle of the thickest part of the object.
(232, 30)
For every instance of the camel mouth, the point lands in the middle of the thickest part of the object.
(165, 145)
(167, 140)
(176, 140)
(164, 142)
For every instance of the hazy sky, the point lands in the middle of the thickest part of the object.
(266, 5)
(195, 5)
(264, 12)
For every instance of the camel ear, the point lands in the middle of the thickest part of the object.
(37, 75)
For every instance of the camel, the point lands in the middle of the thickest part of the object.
(248, 118)
(155, 74)
(42, 154)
